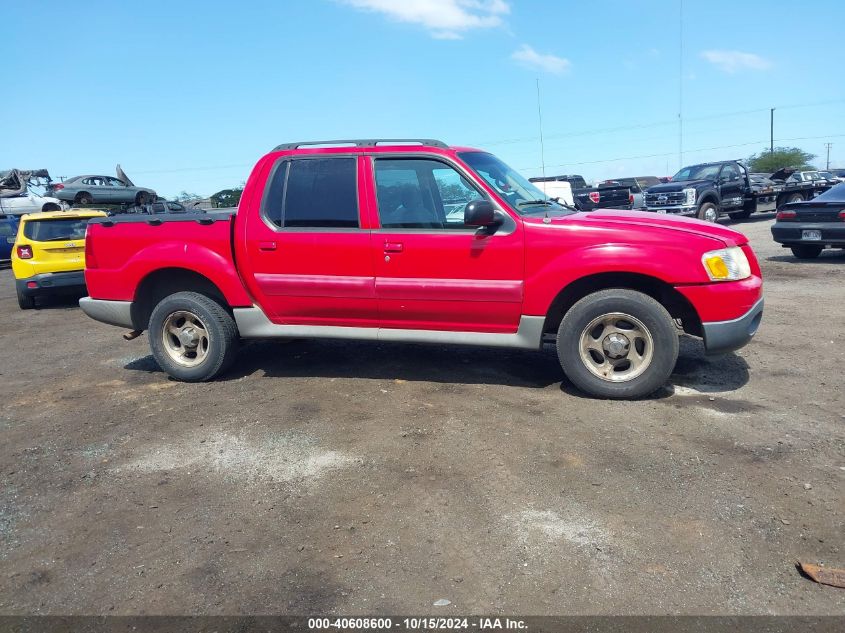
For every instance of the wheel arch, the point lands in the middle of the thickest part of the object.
(166, 281)
(678, 306)
(709, 196)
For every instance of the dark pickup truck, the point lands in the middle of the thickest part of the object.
(587, 198)
(709, 190)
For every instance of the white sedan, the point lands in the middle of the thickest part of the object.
(30, 202)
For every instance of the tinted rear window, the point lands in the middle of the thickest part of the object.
(56, 229)
(314, 192)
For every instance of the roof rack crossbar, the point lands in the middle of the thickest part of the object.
(364, 142)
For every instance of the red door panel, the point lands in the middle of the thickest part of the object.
(432, 272)
(309, 275)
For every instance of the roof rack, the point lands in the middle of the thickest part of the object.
(366, 142)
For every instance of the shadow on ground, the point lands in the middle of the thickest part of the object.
(445, 364)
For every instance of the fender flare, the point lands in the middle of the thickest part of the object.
(219, 270)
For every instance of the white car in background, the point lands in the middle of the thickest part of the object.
(18, 193)
(31, 202)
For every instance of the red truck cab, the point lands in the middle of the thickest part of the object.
(422, 242)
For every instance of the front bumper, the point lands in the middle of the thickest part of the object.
(684, 210)
(790, 233)
(721, 337)
(51, 284)
(112, 312)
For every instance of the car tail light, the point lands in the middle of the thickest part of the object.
(785, 215)
(90, 259)
(630, 198)
(31, 284)
(58, 186)
(595, 196)
(24, 252)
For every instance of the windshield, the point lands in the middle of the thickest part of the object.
(697, 172)
(522, 196)
(55, 229)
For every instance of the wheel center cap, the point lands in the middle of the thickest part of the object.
(188, 337)
(616, 345)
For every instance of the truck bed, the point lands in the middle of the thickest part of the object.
(122, 250)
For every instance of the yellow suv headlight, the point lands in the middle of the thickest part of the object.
(726, 264)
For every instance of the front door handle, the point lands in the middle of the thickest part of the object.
(393, 247)
(266, 246)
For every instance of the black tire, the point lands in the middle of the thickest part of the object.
(25, 302)
(795, 197)
(84, 199)
(705, 210)
(652, 316)
(806, 251)
(218, 322)
(51, 206)
(142, 198)
(739, 215)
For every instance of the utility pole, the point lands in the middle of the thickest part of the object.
(681, 87)
(772, 131)
(828, 146)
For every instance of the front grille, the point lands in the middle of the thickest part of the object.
(671, 199)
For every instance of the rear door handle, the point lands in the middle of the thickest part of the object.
(266, 246)
(393, 247)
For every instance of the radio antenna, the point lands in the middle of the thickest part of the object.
(540, 120)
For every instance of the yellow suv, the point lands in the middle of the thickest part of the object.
(49, 254)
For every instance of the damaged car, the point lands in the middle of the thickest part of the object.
(20, 192)
(91, 189)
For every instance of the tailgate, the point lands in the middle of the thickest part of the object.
(603, 198)
(57, 243)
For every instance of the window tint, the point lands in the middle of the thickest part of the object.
(730, 172)
(314, 192)
(421, 194)
(56, 229)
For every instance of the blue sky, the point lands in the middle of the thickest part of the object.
(187, 95)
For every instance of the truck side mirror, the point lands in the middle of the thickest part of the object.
(480, 213)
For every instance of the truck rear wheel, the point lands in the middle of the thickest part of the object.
(192, 337)
(617, 344)
(708, 212)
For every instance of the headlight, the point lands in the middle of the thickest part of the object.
(726, 264)
(690, 197)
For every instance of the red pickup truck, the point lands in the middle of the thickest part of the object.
(417, 241)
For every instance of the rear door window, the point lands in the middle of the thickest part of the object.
(314, 193)
(55, 229)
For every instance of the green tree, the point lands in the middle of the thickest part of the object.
(185, 196)
(227, 197)
(768, 162)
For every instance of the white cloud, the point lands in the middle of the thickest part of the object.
(530, 58)
(444, 19)
(733, 61)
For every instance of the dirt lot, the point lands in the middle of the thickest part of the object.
(360, 478)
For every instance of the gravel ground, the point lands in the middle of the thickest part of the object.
(364, 478)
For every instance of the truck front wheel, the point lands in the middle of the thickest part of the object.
(192, 337)
(617, 344)
(708, 212)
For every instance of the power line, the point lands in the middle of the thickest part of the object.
(692, 151)
(624, 128)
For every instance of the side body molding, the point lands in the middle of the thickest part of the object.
(253, 323)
